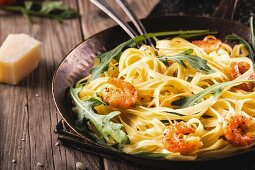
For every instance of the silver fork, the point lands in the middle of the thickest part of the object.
(104, 6)
(226, 9)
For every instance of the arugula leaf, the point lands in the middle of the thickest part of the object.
(187, 36)
(111, 132)
(151, 155)
(48, 6)
(242, 41)
(28, 4)
(108, 56)
(215, 90)
(95, 101)
(194, 61)
(180, 102)
(51, 9)
(25, 14)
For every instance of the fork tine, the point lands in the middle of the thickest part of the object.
(103, 5)
(133, 17)
(231, 9)
(226, 9)
(130, 13)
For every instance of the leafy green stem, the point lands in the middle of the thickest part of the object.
(108, 56)
(194, 61)
(51, 9)
(111, 132)
(241, 40)
(215, 90)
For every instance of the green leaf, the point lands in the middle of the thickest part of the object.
(194, 61)
(242, 41)
(64, 12)
(69, 14)
(50, 6)
(214, 90)
(51, 9)
(151, 155)
(95, 101)
(187, 36)
(28, 4)
(179, 102)
(108, 56)
(105, 60)
(26, 16)
(111, 132)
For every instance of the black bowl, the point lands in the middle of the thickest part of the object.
(79, 61)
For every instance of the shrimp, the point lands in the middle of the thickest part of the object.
(240, 131)
(174, 141)
(237, 69)
(209, 43)
(119, 94)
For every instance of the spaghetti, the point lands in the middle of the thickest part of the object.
(154, 89)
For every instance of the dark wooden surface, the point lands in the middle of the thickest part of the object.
(27, 112)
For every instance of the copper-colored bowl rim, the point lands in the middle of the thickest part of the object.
(131, 155)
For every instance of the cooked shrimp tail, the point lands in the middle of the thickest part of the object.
(240, 131)
(177, 138)
(239, 68)
(208, 44)
(119, 93)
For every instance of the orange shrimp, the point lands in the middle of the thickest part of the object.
(237, 69)
(240, 131)
(209, 43)
(120, 94)
(173, 139)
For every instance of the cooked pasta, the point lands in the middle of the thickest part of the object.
(149, 85)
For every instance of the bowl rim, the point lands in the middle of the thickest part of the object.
(210, 159)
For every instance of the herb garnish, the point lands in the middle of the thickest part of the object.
(51, 9)
(251, 47)
(214, 90)
(108, 56)
(242, 41)
(194, 61)
(111, 132)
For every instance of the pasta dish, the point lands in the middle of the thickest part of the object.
(178, 100)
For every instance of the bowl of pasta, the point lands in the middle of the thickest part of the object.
(188, 99)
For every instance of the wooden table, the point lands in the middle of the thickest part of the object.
(27, 113)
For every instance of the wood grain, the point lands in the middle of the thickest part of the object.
(28, 111)
(14, 116)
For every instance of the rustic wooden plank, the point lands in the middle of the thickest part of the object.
(93, 20)
(27, 110)
(13, 113)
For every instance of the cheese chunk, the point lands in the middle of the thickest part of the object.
(19, 56)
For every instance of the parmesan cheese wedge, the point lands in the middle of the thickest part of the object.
(19, 56)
